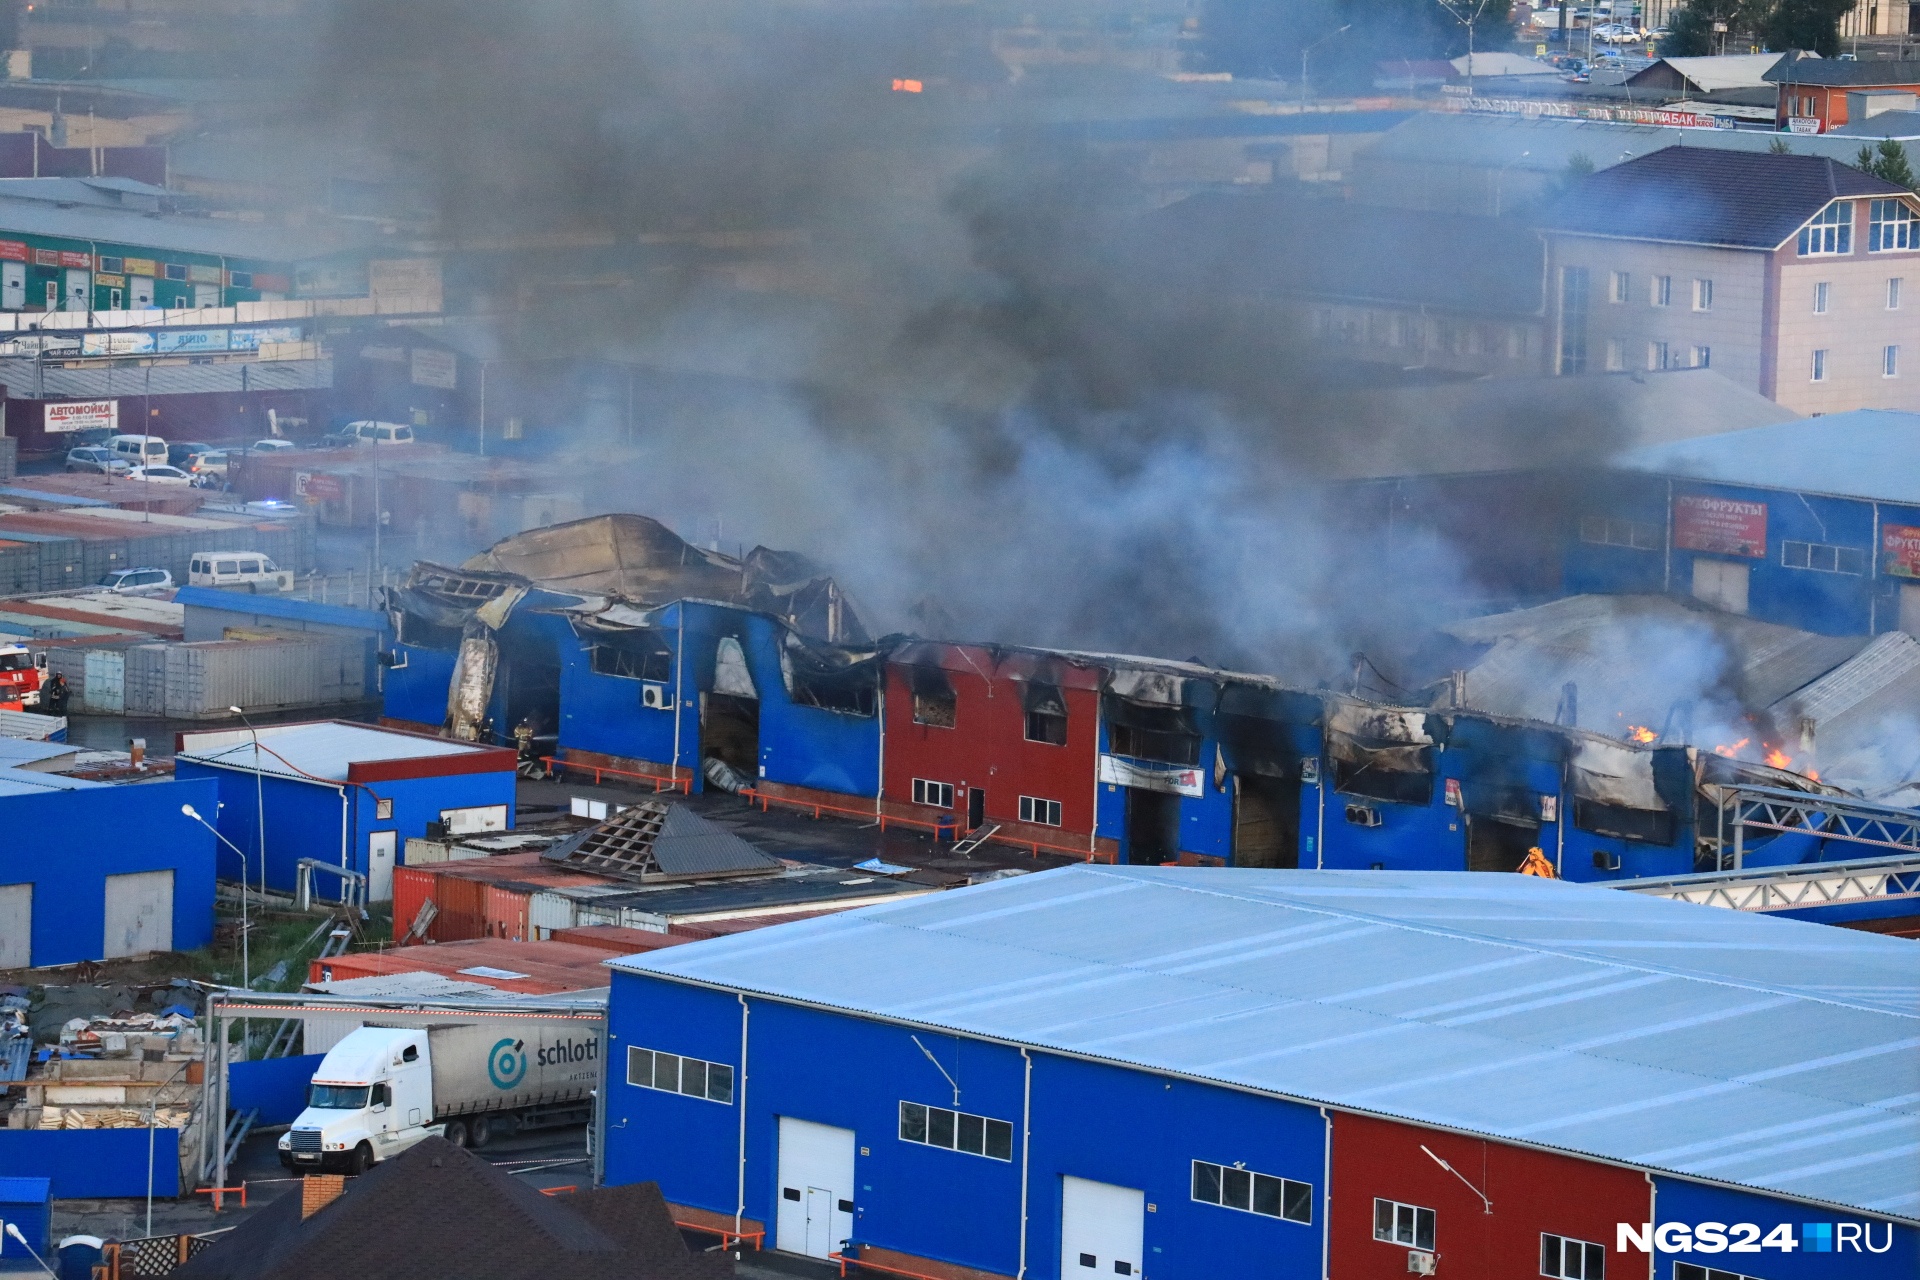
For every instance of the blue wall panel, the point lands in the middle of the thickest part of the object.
(806, 746)
(1690, 1204)
(275, 1087)
(418, 691)
(93, 1164)
(66, 843)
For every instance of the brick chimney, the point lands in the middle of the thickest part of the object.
(318, 1190)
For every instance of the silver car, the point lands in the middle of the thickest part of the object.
(97, 460)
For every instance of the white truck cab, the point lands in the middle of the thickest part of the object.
(371, 1099)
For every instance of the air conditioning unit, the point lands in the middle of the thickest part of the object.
(1361, 815)
(1422, 1263)
(1604, 861)
(655, 696)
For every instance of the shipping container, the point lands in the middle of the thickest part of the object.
(204, 679)
(144, 680)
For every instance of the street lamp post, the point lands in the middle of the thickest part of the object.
(259, 800)
(14, 1232)
(246, 955)
(1303, 60)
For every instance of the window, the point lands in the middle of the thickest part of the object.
(1044, 813)
(1604, 531)
(1703, 295)
(631, 664)
(1403, 1224)
(1693, 1271)
(1819, 366)
(114, 266)
(956, 1131)
(1890, 226)
(1616, 356)
(1822, 295)
(1893, 294)
(1657, 357)
(1660, 291)
(934, 701)
(1046, 715)
(1830, 231)
(1233, 1187)
(1571, 1259)
(176, 271)
(1703, 357)
(240, 279)
(672, 1073)
(1573, 320)
(1822, 558)
(1890, 362)
(1622, 282)
(937, 794)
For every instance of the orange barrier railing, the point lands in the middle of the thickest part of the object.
(854, 1260)
(660, 782)
(218, 1192)
(558, 1191)
(727, 1236)
(883, 820)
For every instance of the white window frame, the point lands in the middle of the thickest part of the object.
(1822, 557)
(1392, 1234)
(1287, 1190)
(935, 795)
(1819, 371)
(1610, 531)
(1553, 1253)
(1039, 812)
(1822, 297)
(1622, 287)
(1702, 358)
(1616, 356)
(710, 1074)
(1700, 1271)
(1888, 233)
(1659, 355)
(1893, 293)
(1829, 233)
(1660, 291)
(1703, 295)
(1890, 361)
(987, 1127)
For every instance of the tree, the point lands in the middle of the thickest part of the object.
(1888, 161)
(1805, 24)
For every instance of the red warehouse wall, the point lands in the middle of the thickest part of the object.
(987, 746)
(1531, 1192)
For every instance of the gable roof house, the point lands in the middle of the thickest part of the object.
(440, 1210)
(1783, 272)
(1826, 89)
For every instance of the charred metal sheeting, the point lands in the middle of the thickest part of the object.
(1140, 684)
(832, 677)
(1259, 731)
(1500, 764)
(471, 690)
(730, 673)
(1385, 753)
(1611, 774)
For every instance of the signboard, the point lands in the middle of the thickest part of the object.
(434, 368)
(250, 339)
(71, 259)
(13, 251)
(82, 415)
(139, 267)
(116, 344)
(1722, 526)
(192, 340)
(1171, 779)
(1533, 107)
(414, 280)
(46, 258)
(321, 487)
(1803, 124)
(1900, 549)
(199, 274)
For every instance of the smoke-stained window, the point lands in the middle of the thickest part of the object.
(1606, 531)
(1573, 320)
(1890, 226)
(633, 658)
(934, 701)
(1829, 231)
(1046, 715)
(1151, 732)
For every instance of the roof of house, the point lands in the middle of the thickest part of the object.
(1696, 195)
(320, 751)
(1728, 71)
(120, 211)
(24, 381)
(1845, 72)
(1862, 715)
(1567, 1016)
(652, 840)
(1863, 453)
(15, 781)
(1887, 124)
(444, 1209)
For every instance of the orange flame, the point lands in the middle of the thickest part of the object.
(1731, 749)
(1640, 733)
(1778, 758)
(907, 86)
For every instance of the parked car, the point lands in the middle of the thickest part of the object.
(99, 460)
(271, 446)
(209, 461)
(139, 450)
(245, 570)
(178, 454)
(160, 474)
(370, 432)
(137, 582)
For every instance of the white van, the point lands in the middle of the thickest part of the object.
(139, 451)
(247, 570)
(370, 432)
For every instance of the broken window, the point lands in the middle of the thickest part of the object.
(633, 656)
(1616, 793)
(934, 701)
(1046, 715)
(830, 678)
(1381, 753)
(1151, 732)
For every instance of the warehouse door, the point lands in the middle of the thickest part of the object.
(380, 845)
(1102, 1229)
(139, 913)
(79, 294)
(140, 292)
(16, 926)
(730, 732)
(1266, 821)
(1493, 845)
(976, 807)
(1720, 583)
(816, 1188)
(1153, 827)
(13, 285)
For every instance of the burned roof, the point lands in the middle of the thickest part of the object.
(653, 841)
(1696, 195)
(446, 1211)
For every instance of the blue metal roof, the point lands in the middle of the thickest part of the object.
(334, 615)
(32, 782)
(1864, 453)
(1717, 1044)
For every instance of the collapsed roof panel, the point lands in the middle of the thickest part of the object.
(654, 841)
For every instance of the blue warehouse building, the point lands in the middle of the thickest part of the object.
(342, 795)
(91, 871)
(1184, 1072)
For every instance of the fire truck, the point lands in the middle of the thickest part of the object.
(20, 674)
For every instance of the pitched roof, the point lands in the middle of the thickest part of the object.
(1693, 195)
(441, 1209)
(1570, 1016)
(653, 840)
(1727, 71)
(1840, 71)
(1887, 124)
(1862, 453)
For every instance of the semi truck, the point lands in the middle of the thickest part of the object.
(380, 1090)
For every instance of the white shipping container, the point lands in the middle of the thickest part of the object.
(103, 687)
(203, 680)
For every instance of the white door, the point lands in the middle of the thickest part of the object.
(206, 295)
(816, 1188)
(380, 865)
(140, 290)
(139, 913)
(16, 926)
(1102, 1229)
(1910, 610)
(1720, 583)
(13, 285)
(79, 291)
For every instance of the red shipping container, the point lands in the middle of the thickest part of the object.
(506, 908)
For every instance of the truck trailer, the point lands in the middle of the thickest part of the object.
(382, 1089)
